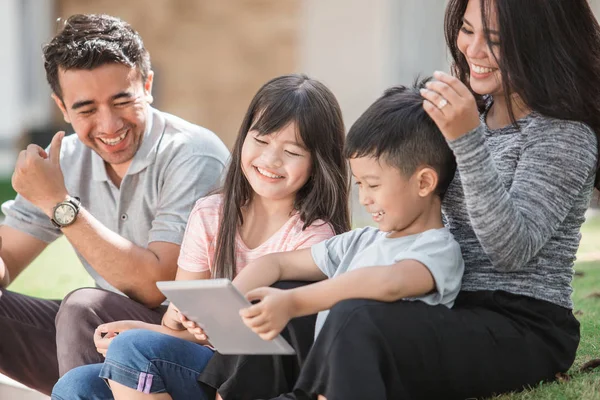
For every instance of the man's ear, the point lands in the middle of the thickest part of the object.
(61, 106)
(427, 179)
(148, 87)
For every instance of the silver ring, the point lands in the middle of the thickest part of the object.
(442, 103)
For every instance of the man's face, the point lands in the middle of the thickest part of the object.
(107, 108)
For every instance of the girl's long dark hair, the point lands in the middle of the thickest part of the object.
(549, 54)
(317, 114)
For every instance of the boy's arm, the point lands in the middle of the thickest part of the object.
(406, 278)
(290, 265)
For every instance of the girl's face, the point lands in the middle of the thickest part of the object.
(484, 77)
(276, 165)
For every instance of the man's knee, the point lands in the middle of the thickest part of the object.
(79, 304)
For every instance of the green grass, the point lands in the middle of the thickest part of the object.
(57, 271)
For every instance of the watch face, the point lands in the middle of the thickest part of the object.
(64, 214)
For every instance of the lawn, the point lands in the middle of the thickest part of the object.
(57, 271)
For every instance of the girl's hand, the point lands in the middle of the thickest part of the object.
(105, 333)
(451, 105)
(193, 328)
(268, 317)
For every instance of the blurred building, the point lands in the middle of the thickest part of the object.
(211, 56)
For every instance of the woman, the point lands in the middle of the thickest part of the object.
(522, 116)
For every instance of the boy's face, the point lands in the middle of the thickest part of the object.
(393, 200)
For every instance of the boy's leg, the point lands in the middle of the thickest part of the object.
(491, 342)
(262, 376)
(149, 362)
(82, 383)
(28, 340)
(81, 312)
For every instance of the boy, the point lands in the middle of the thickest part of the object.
(402, 166)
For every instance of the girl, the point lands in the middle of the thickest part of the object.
(527, 163)
(286, 188)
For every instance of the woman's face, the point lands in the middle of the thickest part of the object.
(484, 74)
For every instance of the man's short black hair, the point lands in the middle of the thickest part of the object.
(88, 41)
(397, 130)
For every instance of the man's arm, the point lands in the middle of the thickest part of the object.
(132, 269)
(17, 251)
(290, 265)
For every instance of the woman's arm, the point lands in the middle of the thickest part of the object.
(557, 160)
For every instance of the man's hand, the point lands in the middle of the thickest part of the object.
(105, 333)
(4, 278)
(38, 176)
(268, 317)
(193, 328)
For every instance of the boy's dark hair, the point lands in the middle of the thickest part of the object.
(397, 130)
(318, 117)
(90, 41)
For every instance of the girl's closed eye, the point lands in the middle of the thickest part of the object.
(293, 154)
(465, 30)
(259, 141)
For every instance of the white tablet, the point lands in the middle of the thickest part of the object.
(214, 304)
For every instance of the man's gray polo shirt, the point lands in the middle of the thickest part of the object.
(177, 163)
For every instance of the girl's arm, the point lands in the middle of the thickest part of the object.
(406, 278)
(290, 265)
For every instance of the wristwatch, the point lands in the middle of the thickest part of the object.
(65, 212)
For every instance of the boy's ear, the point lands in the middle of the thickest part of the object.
(427, 180)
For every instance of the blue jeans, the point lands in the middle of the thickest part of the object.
(146, 361)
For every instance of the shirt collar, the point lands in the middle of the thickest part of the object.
(146, 154)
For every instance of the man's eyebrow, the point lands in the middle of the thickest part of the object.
(121, 95)
(79, 104)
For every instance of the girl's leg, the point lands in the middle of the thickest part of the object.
(140, 364)
(82, 383)
(491, 342)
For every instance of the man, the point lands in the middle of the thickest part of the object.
(120, 190)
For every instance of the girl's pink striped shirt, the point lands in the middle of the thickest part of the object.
(198, 247)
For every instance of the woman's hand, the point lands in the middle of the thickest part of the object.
(451, 105)
(268, 317)
(105, 333)
(193, 328)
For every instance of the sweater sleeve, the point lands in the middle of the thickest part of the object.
(557, 159)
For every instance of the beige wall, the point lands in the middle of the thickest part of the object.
(210, 57)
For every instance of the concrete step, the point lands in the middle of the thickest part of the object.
(11, 390)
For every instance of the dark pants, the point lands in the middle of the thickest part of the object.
(41, 340)
(491, 342)
(244, 377)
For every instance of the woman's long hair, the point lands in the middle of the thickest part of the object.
(549, 54)
(317, 115)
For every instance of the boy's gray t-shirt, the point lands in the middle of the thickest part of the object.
(436, 249)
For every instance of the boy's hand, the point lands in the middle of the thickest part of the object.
(193, 328)
(105, 333)
(268, 317)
